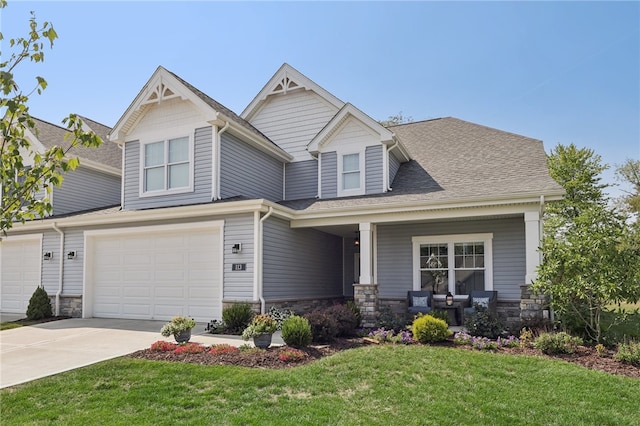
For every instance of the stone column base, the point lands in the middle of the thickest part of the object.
(366, 298)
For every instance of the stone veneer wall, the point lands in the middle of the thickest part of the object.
(533, 307)
(366, 298)
(300, 306)
(70, 306)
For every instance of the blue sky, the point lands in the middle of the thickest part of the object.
(561, 72)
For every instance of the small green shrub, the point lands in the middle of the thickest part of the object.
(556, 343)
(346, 319)
(389, 320)
(526, 337)
(296, 331)
(629, 353)
(39, 305)
(356, 311)
(484, 323)
(443, 315)
(324, 328)
(237, 317)
(427, 329)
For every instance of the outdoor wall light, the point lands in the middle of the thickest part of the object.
(71, 255)
(356, 240)
(449, 299)
(236, 248)
(48, 255)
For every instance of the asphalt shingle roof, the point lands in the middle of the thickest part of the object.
(455, 160)
(108, 153)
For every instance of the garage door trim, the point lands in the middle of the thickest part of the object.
(90, 237)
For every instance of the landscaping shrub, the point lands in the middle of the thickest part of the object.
(189, 348)
(389, 320)
(223, 348)
(383, 335)
(280, 314)
(483, 323)
(356, 311)
(443, 315)
(296, 331)
(163, 346)
(427, 329)
(324, 328)
(237, 317)
(39, 305)
(346, 319)
(629, 353)
(556, 343)
(291, 355)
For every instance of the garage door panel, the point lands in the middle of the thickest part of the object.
(161, 274)
(20, 273)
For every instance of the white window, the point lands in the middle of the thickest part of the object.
(351, 174)
(455, 263)
(167, 166)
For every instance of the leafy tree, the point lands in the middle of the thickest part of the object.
(630, 172)
(394, 120)
(27, 175)
(588, 262)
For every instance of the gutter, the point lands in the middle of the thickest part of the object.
(216, 172)
(387, 184)
(260, 259)
(61, 269)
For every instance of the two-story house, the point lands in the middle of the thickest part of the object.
(301, 200)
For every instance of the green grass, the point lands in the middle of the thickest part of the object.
(376, 385)
(8, 325)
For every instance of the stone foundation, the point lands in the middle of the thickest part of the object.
(70, 306)
(533, 307)
(366, 298)
(299, 306)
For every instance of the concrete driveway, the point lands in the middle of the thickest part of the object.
(29, 353)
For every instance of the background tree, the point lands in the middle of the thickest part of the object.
(27, 175)
(588, 263)
(394, 120)
(630, 172)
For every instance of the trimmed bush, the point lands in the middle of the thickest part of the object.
(356, 311)
(237, 317)
(427, 329)
(443, 315)
(389, 320)
(346, 319)
(556, 343)
(39, 305)
(324, 328)
(483, 323)
(629, 353)
(296, 331)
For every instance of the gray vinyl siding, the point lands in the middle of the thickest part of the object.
(349, 274)
(246, 171)
(395, 262)
(373, 169)
(329, 174)
(51, 268)
(238, 285)
(394, 165)
(300, 263)
(85, 189)
(202, 176)
(301, 180)
(73, 269)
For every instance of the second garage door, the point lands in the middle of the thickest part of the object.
(19, 272)
(155, 273)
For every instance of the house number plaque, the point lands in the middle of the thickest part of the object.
(238, 266)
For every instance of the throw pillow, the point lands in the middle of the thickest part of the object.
(482, 301)
(420, 301)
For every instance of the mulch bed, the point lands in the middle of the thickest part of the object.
(585, 356)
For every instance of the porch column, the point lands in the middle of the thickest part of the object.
(532, 243)
(366, 254)
(365, 293)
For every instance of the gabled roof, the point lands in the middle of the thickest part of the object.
(285, 80)
(387, 137)
(164, 85)
(106, 155)
(457, 161)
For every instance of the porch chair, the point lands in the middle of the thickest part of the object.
(419, 302)
(488, 299)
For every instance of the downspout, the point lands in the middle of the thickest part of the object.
(217, 164)
(387, 183)
(260, 259)
(541, 230)
(61, 269)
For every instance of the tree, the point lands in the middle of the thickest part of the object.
(588, 263)
(394, 120)
(27, 175)
(630, 172)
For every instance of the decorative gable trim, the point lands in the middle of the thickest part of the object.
(386, 137)
(285, 80)
(161, 86)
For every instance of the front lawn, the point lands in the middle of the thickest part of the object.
(409, 385)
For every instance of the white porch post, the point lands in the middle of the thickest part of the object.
(366, 254)
(532, 244)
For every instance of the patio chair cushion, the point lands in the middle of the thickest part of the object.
(481, 301)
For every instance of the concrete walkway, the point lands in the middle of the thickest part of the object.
(29, 353)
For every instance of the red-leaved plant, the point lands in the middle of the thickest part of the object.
(291, 355)
(223, 348)
(189, 348)
(162, 346)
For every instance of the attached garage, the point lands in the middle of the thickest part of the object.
(154, 272)
(20, 271)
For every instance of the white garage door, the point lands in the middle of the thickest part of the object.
(19, 272)
(156, 274)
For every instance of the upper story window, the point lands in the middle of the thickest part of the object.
(167, 166)
(351, 174)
